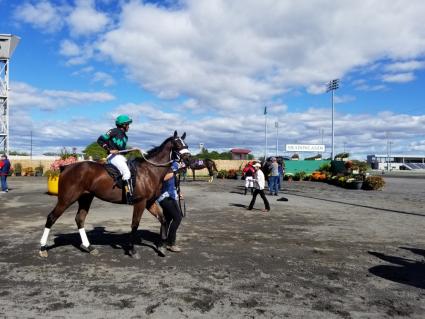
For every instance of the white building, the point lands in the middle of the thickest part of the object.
(396, 162)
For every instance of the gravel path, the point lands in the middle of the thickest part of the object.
(326, 252)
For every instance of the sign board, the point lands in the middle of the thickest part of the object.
(305, 148)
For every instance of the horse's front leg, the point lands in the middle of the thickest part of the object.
(137, 215)
(156, 211)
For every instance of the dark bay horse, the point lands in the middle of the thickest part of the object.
(196, 164)
(83, 181)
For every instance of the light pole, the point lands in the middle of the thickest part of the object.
(276, 125)
(388, 152)
(332, 86)
(265, 132)
(31, 145)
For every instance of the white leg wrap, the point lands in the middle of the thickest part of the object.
(43, 240)
(84, 238)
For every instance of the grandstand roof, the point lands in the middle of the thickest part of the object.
(240, 151)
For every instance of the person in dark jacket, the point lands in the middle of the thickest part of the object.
(114, 141)
(169, 202)
(4, 172)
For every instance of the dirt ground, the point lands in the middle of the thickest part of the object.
(326, 252)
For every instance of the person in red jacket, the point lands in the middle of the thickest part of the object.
(248, 172)
(4, 172)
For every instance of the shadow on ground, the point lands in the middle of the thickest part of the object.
(99, 236)
(403, 270)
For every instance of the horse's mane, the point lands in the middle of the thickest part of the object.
(154, 151)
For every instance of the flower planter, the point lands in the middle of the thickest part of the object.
(355, 185)
(52, 185)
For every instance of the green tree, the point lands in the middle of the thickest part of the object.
(95, 151)
(18, 153)
(214, 155)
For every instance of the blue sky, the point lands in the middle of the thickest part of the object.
(210, 67)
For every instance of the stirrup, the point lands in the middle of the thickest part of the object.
(128, 186)
(129, 198)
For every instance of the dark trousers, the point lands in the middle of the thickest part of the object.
(263, 196)
(173, 217)
(4, 183)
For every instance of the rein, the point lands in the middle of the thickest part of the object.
(183, 211)
(147, 160)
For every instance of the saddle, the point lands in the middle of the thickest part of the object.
(116, 175)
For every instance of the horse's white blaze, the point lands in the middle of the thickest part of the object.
(84, 238)
(43, 240)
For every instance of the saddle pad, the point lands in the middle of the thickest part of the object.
(116, 175)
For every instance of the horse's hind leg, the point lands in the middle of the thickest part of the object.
(84, 203)
(210, 172)
(137, 215)
(193, 174)
(60, 207)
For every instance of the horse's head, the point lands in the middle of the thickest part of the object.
(179, 148)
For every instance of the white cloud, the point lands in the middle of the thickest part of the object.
(317, 88)
(340, 99)
(228, 56)
(69, 48)
(362, 133)
(85, 20)
(24, 95)
(85, 70)
(405, 66)
(104, 78)
(42, 15)
(418, 146)
(398, 78)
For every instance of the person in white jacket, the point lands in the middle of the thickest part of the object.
(260, 182)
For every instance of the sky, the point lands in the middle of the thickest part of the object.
(210, 67)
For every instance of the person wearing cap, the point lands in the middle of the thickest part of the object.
(260, 182)
(114, 141)
(4, 172)
(168, 200)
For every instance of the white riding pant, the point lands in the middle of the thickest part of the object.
(120, 162)
(249, 181)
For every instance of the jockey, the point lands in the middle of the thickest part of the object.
(114, 141)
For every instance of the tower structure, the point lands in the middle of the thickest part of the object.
(8, 44)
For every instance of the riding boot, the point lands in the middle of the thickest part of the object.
(128, 186)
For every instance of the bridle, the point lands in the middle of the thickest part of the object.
(175, 155)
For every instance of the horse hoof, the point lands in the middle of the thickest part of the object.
(94, 252)
(161, 250)
(43, 253)
(133, 254)
(90, 249)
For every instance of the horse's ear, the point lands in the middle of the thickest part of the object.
(184, 136)
(175, 134)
